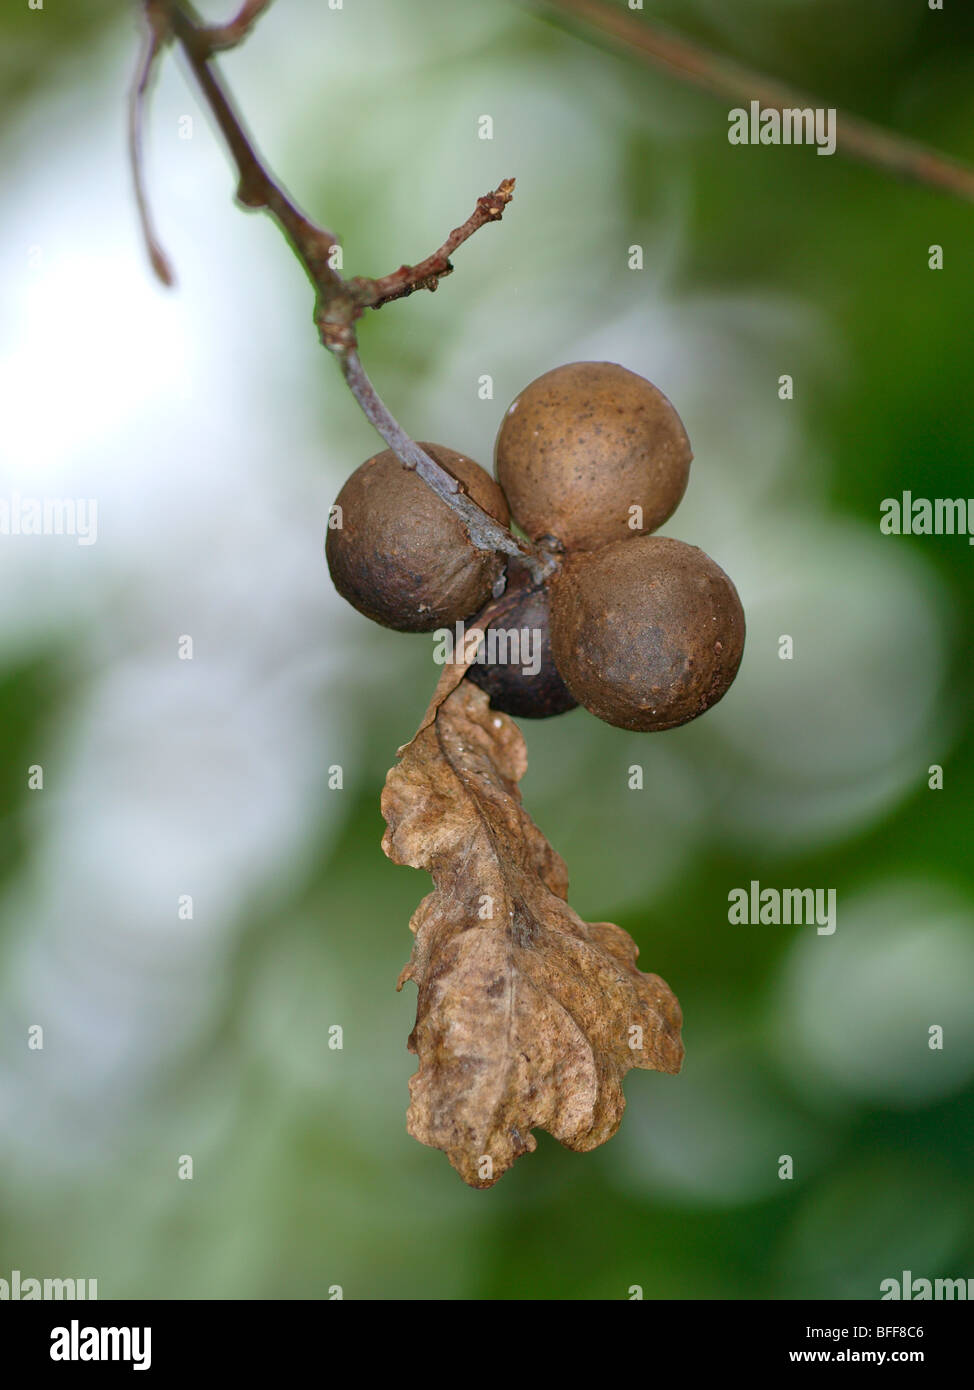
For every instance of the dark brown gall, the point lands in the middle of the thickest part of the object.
(586, 445)
(512, 689)
(647, 634)
(400, 555)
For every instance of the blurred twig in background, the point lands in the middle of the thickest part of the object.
(153, 39)
(690, 62)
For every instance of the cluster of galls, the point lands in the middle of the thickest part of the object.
(644, 631)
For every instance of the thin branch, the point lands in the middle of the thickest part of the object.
(689, 61)
(257, 189)
(152, 44)
(428, 273)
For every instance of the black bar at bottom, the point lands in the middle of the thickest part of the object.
(165, 1339)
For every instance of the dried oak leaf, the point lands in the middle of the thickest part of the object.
(527, 1016)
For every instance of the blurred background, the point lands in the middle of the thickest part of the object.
(213, 433)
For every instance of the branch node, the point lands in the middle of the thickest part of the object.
(219, 37)
(250, 197)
